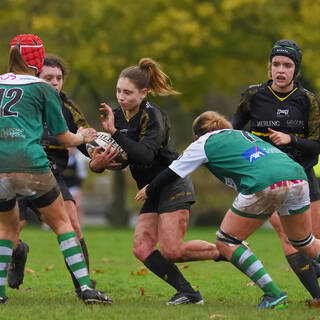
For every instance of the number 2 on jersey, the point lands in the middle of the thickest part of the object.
(14, 95)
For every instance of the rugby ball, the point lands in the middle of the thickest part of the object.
(103, 140)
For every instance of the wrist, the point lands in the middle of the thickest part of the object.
(82, 138)
(93, 169)
(112, 131)
(293, 139)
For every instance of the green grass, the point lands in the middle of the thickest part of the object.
(47, 293)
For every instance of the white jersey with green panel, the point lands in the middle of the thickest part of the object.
(26, 102)
(239, 159)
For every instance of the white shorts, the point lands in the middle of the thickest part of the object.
(285, 197)
(25, 184)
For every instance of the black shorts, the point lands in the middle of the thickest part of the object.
(25, 203)
(66, 195)
(313, 185)
(176, 196)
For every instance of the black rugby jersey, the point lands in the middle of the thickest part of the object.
(72, 175)
(57, 154)
(296, 113)
(145, 138)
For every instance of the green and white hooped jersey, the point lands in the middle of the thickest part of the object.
(239, 159)
(26, 102)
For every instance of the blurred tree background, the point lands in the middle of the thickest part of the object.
(211, 50)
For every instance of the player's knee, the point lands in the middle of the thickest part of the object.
(137, 252)
(141, 252)
(143, 245)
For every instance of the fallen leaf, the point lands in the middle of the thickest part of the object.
(48, 268)
(218, 316)
(97, 271)
(250, 284)
(25, 289)
(105, 260)
(142, 291)
(185, 266)
(142, 271)
(27, 270)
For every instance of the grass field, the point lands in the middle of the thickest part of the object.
(47, 292)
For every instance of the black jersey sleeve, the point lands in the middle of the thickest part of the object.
(75, 119)
(242, 114)
(152, 135)
(310, 144)
(305, 145)
(141, 152)
(164, 178)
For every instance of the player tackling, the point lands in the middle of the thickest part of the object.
(283, 187)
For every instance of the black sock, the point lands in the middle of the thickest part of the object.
(316, 267)
(74, 279)
(18, 250)
(85, 252)
(302, 267)
(167, 271)
(86, 258)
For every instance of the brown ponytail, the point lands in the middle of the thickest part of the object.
(17, 64)
(209, 121)
(148, 74)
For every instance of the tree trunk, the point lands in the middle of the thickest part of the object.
(118, 214)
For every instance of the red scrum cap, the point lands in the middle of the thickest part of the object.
(31, 50)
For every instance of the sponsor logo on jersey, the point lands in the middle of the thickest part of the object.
(271, 150)
(18, 79)
(7, 76)
(295, 123)
(12, 133)
(268, 123)
(282, 112)
(253, 154)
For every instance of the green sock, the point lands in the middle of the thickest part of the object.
(6, 248)
(74, 257)
(248, 263)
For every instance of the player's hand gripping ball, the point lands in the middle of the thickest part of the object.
(103, 140)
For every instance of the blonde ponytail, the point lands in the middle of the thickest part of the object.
(209, 121)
